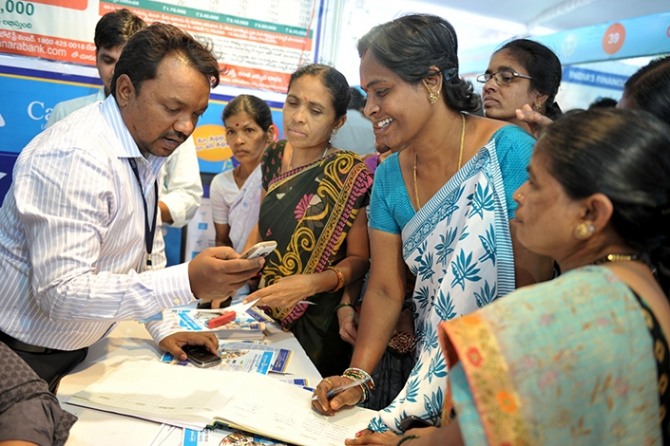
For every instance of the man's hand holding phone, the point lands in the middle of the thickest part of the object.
(175, 343)
(260, 249)
(219, 271)
(199, 356)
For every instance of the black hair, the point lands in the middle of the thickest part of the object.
(332, 79)
(255, 107)
(115, 28)
(603, 102)
(649, 87)
(623, 154)
(544, 68)
(147, 48)
(357, 101)
(572, 111)
(412, 45)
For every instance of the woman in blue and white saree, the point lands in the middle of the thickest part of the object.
(440, 205)
(460, 249)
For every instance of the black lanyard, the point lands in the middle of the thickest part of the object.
(149, 228)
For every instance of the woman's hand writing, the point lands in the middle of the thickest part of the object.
(349, 397)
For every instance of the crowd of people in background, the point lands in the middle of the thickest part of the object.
(495, 279)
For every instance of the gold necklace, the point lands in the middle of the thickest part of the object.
(617, 257)
(460, 160)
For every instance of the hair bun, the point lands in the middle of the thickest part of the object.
(449, 73)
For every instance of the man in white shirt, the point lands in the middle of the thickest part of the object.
(180, 187)
(78, 224)
(111, 34)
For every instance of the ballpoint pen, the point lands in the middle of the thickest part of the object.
(336, 390)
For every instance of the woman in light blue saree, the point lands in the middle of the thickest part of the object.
(583, 359)
(441, 205)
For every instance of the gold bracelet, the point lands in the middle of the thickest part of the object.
(344, 305)
(340, 278)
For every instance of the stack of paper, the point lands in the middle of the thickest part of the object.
(193, 398)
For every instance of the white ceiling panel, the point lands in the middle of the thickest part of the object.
(557, 14)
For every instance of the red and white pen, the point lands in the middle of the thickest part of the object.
(218, 321)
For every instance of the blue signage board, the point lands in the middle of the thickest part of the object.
(594, 78)
(641, 36)
(30, 95)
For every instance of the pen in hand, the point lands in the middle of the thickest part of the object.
(336, 390)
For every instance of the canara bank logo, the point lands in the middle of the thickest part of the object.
(2, 124)
(2, 175)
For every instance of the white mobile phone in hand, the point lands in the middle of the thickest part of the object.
(259, 250)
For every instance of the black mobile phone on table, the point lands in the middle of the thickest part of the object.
(201, 357)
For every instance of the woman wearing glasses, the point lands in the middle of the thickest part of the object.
(522, 72)
(440, 205)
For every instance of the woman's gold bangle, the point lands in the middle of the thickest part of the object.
(344, 305)
(340, 278)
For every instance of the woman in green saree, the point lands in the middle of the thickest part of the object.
(313, 206)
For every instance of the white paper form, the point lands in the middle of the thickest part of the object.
(193, 398)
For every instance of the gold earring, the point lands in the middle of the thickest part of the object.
(537, 106)
(584, 230)
(432, 96)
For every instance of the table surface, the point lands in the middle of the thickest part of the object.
(131, 341)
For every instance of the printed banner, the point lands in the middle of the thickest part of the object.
(594, 78)
(259, 42)
(7, 161)
(30, 95)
